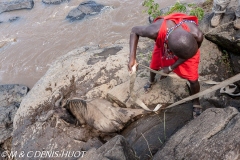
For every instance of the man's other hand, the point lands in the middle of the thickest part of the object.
(166, 70)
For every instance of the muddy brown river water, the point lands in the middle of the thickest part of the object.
(31, 43)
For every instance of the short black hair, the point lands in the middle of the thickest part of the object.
(182, 43)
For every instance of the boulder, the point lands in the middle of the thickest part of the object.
(150, 133)
(10, 99)
(221, 101)
(7, 6)
(116, 148)
(213, 135)
(84, 73)
(225, 35)
(214, 64)
(54, 1)
(85, 9)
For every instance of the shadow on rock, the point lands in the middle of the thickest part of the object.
(150, 133)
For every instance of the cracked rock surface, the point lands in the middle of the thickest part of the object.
(214, 135)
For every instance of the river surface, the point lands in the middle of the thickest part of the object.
(42, 34)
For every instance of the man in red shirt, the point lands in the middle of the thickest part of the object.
(177, 42)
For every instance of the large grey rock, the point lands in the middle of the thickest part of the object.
(116, 148)
(77, 74)
(226, 36)
(213, 135)
(54, 1)
(16, 5)
(10, 99)
(221, 101)
(85, 9)
(150, 133)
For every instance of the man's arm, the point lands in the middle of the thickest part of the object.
(150, 31)
(175, 65)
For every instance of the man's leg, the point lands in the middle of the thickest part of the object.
(195, 88)
(151, 81)
(219, 7)
(152, 77)
(237, 12)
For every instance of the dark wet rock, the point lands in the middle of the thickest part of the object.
(54, 1)
(13, 19)
(213, 135)
(116, 148)
(221, 101)
(235, 62)
(16, 5)
(85, 9)
(153, 130)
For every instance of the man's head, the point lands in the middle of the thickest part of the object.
(182, 43)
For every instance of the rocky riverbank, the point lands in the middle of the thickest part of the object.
(98, 74)
(93, 72)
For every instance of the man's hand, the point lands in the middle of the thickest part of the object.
(166, 70)
(131, 64)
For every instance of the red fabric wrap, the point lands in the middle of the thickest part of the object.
(188, 69)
